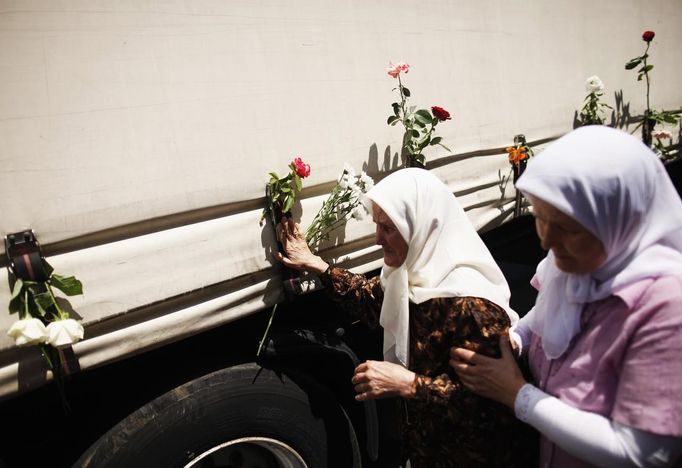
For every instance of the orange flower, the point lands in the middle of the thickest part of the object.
(516, 155)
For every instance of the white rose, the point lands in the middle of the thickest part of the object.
(64, 332)
(349, 170)
(662, 134)
(344, 181)
(28, 332)
(355, 197)
(594, 84)
(367, 181)
(358, 214)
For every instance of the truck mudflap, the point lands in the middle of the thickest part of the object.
(299, 343)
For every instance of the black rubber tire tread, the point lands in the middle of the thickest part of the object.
(241, 401)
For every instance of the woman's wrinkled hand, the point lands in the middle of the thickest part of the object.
(297, 253)
(381, 379)
(497, 379)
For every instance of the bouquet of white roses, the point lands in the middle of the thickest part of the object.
(343, 201)
(41, 319)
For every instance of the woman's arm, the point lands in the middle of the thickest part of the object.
(593, 437)
(520, 335)
(356, 294)
(380, 379)
(360, 297)
(297, 253)
(473, 322)
(497, 379)
(585, 435)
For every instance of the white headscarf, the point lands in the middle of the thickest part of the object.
(445, 256)
(614, 186)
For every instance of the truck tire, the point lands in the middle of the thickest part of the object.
(242, 416)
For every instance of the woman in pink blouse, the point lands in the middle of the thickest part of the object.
(604, 340)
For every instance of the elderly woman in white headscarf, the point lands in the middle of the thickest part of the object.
(439, 287)
(604, 340)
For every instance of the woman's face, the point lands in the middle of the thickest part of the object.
(388, 237)
(575, 248)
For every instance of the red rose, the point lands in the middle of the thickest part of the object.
(440, 113)
(301, 168)
(648, 36)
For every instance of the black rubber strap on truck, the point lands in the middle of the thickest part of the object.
(24, 256)
(299, 343)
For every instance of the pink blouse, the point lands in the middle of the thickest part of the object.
(625, 364)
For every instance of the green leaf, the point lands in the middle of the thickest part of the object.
(43, 302)
(406, 91)
(435, 140)
(442, 145)
(666, 117)
(420, 159)
(288, 204)
(423, 116)
(639, 78)
(396, 108)
(415, 133)
(419, 123)
(15, 301)
(15, 305)
(47, 267)
(18, 286)
(69, 285)
(633, 63)
(406, 137)
(392, 120)
(274, 175)
(645, 69)
(298, 182)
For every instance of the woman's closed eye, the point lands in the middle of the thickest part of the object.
(386, 228)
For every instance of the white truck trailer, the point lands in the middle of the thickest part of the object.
(136, 138)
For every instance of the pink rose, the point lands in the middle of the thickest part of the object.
(440, 113)
(395, 70)
(648, 36)
(662, 134)
(301, 168)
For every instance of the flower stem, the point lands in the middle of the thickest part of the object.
(403, 119)
(46, 355)
(27, 314)
(646, 75)
(402, 97)
(61, 315)
(267, 329)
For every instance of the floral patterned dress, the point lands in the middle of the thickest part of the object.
(445, 425)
